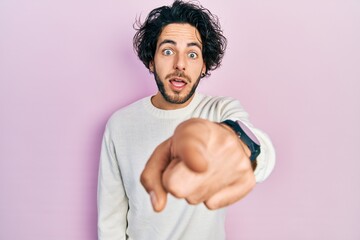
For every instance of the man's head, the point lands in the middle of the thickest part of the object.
(214, 43)
(179, 44)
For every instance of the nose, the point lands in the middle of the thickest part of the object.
(180, 63)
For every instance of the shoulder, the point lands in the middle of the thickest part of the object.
(221, 102)
(126, 114)
(218, 108)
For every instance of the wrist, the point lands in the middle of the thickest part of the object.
(232, 132)
(248, 140)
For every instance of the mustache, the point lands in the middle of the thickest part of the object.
(178, 73)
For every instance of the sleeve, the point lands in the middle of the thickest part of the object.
(266, 160)
(112, 201)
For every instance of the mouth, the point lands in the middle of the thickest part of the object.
(178, 83)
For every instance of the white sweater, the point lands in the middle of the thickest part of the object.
(131, 135)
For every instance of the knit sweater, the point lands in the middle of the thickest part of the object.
(131, 135)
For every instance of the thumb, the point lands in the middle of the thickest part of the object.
(151, 177)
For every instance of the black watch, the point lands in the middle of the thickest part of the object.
(246, 136)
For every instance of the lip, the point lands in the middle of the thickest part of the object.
(178, 79)
(177, 87)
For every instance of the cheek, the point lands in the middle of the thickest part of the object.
(163, 64)
(196, 68)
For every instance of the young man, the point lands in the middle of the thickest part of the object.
(201, 150)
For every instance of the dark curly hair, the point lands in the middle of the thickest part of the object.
(214, 43)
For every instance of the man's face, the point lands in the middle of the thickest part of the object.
(177, 65)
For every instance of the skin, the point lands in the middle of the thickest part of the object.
(203, 161)
(177, 65)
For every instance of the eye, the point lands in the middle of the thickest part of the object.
(168, 52)
(192, 55)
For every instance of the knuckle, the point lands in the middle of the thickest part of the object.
(173, 184)
(175, 190)
(193, 200)
(145, 179)
(249, 185)
(211, 205)
(244, 165)
(252, 182)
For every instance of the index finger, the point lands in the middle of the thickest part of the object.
(151, 177)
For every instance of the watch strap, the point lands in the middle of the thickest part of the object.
(252, 145)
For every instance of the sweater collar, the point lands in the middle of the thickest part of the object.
(181, 112)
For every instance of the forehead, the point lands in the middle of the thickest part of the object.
(180, 33)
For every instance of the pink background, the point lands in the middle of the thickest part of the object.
(65, 66)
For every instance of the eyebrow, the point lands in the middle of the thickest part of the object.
(174, 43)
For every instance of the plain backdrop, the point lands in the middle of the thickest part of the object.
(65, 66)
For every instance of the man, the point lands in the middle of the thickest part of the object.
(199, 149)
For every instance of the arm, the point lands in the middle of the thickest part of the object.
(206, 162)
(112, 200)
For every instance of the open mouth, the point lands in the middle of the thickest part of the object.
(177, 83)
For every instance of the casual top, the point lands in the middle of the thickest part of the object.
(131, 135)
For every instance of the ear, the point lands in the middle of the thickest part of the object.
(151, 66)
(203, 70)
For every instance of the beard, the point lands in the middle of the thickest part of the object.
(176, 98)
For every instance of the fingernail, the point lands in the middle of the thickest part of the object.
(153, 199)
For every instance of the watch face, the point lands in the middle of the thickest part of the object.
(248, 132)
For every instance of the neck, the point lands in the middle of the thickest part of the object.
(159, 102)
